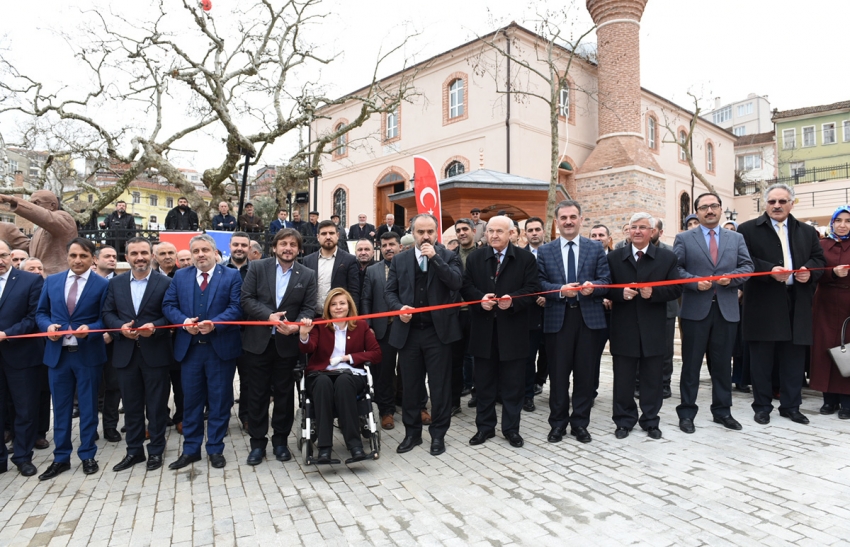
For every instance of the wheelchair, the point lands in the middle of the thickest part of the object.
(306, 434)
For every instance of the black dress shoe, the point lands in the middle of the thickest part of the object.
(653, 432)
(75, 413)
(42, 444)
(154, 462)
(581, 434)
(844, 414)
(742, 388)
(27, 469)
(666, 393)
(184, 460)
(128, 462)
(687, 425)
(465, 391)
(481, 437)
(472, 402)
(357, 455)
(256, 456)
(408, 443)
(795, 416)
(515, 439)
(827, 409)
(123, 429)
(528, 405)
(324, 455)
(217, 460)
(621, 433)
(54, 469)
(438, 446)
(762, 417)
(169, 422)
(96, 436)
(728, 422)
(90, 466)
(112, 435)
(282, 453)
(456, 410)
(556, 435)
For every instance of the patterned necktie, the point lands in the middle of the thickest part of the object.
(498, 263)
(712, 246)
(204, 283)
(72, 296)
(639, 255)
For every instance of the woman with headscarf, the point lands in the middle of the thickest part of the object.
(831, 306)
(691, 221)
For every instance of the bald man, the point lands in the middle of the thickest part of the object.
(57, 229)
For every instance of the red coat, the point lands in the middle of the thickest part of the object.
(831, 306)
(360, 344)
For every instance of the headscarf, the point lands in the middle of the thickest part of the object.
(832, 234)
(732, 222)
(688, 219)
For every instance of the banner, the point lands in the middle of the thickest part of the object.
(427, 192)
(222, 241)
(181, 239)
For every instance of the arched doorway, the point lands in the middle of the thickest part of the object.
(390, 183)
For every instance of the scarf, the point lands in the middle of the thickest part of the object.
(832, 234)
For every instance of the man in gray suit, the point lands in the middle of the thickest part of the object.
(275, 289)
(709, 313)
(372, 301)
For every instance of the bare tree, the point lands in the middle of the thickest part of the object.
(685, 140)
(185, 76)
(543, 74)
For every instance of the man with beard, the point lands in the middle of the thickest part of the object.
(224, 221)
(463, 362)
(141, 354)
(240, 244)
(362, 229)
(296, 223)
(182, 217)
(166, 256)
(365, 254)
(389, 226)
(276, 289)
(121, 224)
(333, 266)
(109, 397)
(48, 243)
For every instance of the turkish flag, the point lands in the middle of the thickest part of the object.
(178, 239)
(427, 192)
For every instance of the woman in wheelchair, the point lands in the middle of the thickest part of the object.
(335, 373)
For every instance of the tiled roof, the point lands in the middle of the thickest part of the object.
(843, 105)
(757, 138)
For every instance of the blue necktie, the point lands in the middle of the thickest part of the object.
(571, 268)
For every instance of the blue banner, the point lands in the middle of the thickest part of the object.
(222, 241)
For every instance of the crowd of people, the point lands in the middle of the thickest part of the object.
(483, 317)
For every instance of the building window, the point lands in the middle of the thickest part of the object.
(341, 148)
(745, 109)
(34, 172)
(13, 166)
(829, 133)
(809, 136)
(340, 205)
(740, 131)
(152, 220)
(723, 115)
(684, 209)
(789, 139)
(169, 202)
(749, 162)
(91, 198)
(683, 137)
(391, 128)
(137, 197)
(154, 200)
(652, 132)
(564, 102)
(709, 157)
(846, 130)
(455, 168)
(456, 98)
(797, 169)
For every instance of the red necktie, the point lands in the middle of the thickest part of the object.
(712, 246)
(204, 282)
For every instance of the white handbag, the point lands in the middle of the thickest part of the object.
(840, 354)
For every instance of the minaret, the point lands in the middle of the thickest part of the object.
(621, 175)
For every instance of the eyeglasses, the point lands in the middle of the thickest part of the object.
(779, 201)
(713, 207)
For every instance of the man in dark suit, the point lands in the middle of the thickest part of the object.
(141, 354)
(571, 320)
(20, 360)
(334, 267)
(372, 301)
(280, 222)
(198, 297)
(709, 314)
(537, 364)
(389, 226)
(310, 233)
(73, 300)
(364, 252)
(777, 320)
(276, 289)
(500, 275)
(636, 339)
(362, 230)
(427, 276)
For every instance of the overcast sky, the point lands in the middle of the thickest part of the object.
(791, 50)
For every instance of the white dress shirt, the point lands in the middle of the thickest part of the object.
(324, 277)
(199, 277)
(340, 338)
(4, 279)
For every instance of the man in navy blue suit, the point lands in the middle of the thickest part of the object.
(199, 296)
(141, 354)
(572, 319)
(19, 359)
(71, 301)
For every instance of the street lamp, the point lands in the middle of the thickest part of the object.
(730, 215)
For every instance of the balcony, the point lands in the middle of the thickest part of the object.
(803, 176)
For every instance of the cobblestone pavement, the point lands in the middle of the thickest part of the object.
(778, 484)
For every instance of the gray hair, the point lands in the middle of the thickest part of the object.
(203, 237)
(640, 216)
(778, 186)
(30, 259)
(509, 224)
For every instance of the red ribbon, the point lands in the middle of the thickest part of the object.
(424, 309)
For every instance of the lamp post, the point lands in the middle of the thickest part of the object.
(730, 215)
